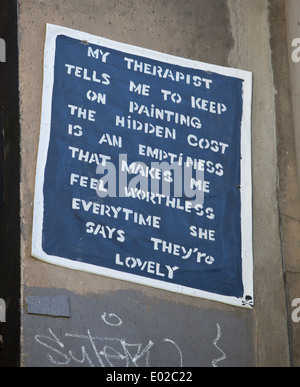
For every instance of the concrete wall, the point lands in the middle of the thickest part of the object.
(233, 33)
(288, 126)
(293, 35)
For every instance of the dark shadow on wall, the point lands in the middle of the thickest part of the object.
(9, 186)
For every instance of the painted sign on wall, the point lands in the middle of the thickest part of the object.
(144, 168)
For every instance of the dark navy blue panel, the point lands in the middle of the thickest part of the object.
(131, 245)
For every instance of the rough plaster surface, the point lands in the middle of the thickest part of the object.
(287, 102)
(292, 8)
(252, 52)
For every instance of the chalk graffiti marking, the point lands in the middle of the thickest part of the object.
(100, 351)
(103, 351)
(179, 350)
(130, 355)
(114, 352)
(216, 361)
(114, 316)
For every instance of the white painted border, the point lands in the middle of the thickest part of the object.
(246, 178)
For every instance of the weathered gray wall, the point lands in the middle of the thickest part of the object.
(286, 18)
(293, 32)
(129, 328)
(233, 33)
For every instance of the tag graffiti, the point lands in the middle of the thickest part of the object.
(2, 50)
